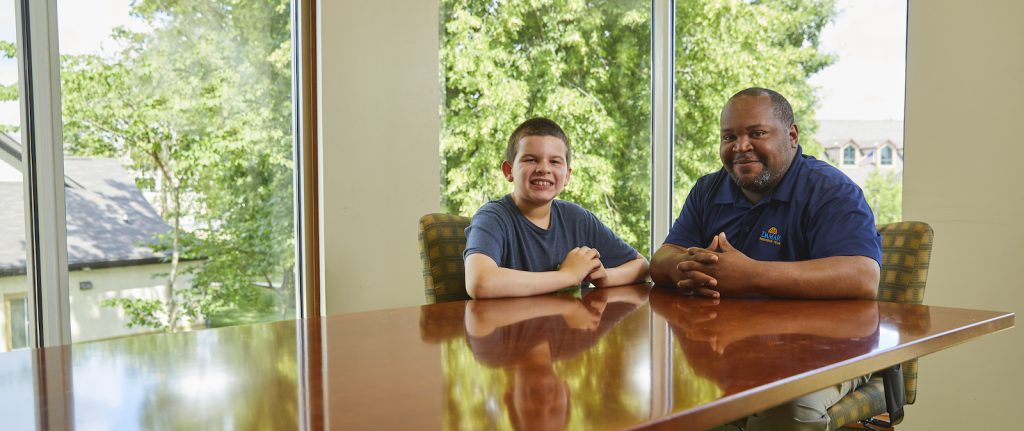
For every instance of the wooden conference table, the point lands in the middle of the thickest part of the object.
(618, 358)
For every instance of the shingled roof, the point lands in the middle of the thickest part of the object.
(864, 134)
(109, 221)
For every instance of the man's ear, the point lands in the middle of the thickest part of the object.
(506, 170)
(794, 135)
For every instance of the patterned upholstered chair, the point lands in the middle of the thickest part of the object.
(442, 241)
(906, 251)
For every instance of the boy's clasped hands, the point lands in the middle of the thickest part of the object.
(584, 263)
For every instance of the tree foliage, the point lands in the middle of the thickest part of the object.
(725, 46)
(884, 193)
(8, 92)
(586, 65)
(200, 108)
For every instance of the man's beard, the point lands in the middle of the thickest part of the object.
(763, 182)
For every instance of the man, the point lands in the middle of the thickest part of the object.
(773, 222)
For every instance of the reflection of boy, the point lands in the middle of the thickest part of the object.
(552, 328)
(527, 243)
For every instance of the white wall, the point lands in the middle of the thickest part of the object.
(89, 320)
(964, 147)
(378, 148)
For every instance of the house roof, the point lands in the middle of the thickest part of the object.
(109, 222)
(863, 134)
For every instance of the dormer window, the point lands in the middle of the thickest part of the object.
(886, 156)
(849, 155)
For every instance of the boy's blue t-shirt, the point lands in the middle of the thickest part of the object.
(500, 231)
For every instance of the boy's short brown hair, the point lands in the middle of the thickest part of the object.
(538, 126)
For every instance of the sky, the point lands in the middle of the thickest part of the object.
(84, 27)
(866, 83)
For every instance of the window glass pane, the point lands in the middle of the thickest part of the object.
(861, 97)
(18, 308)
(845, 84)
(587, 67)
(13, 282)
(849, 155)
(178, 164)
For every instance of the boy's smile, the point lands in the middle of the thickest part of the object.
(539, 171)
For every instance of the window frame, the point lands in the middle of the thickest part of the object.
(42, 140)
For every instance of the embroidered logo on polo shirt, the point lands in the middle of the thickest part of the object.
(771, 236)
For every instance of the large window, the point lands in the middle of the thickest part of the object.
(860, 97)
(586, 66)
(178, 140)
(176, 128)
(845, 84)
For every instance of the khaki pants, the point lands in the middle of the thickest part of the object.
(807, 413)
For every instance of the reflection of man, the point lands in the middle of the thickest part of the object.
(741, 343)
(527, 335)
(773, 222)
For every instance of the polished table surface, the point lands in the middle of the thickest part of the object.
(627, 357)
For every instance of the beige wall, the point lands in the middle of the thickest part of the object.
(964, 161)
(378, 148)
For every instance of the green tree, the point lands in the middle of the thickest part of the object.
(583, 64)
(200, 107)
(725, 46)
(884, 193)
(586, 64)
(8, 92)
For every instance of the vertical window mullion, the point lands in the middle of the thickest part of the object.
(662, 84)
(662, 133)
(307, 245)
(43, 162)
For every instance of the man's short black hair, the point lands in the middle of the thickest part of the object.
(781, 108)
(537, 126)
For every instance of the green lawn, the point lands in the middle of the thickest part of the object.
(242, 315)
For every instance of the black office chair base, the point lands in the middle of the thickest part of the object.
(895, 399)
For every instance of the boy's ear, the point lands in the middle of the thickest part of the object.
(568, 174)
(506, 170)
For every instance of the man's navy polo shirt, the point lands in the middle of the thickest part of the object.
(816, 211)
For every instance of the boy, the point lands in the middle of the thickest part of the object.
(527, 243)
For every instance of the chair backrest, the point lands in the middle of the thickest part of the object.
(906, 252)
(442, 241)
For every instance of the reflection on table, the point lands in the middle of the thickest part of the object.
(521, 341)
(231, 378)
(628, 357)
(719, 343)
